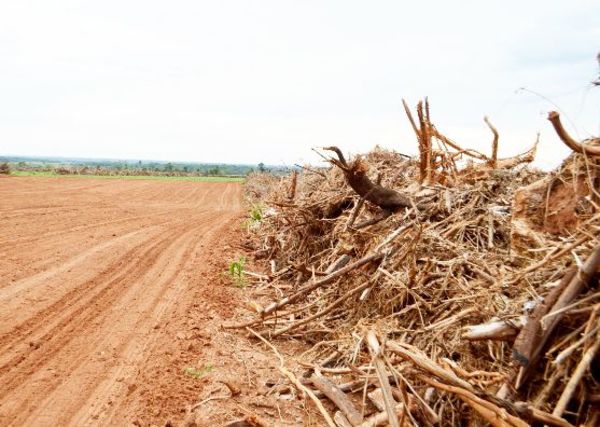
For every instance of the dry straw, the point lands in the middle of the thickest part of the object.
(475, 300)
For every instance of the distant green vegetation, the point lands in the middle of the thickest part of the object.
(133, 177)
(134, 169)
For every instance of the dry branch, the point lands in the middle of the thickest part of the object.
(356, 176)
(578, 147)
(494, 158)
(327, 279)
(388, 399)
(525, 353)
(338, 397)
(458, 262)
(582, 367)
(496, 416)
(494, 330)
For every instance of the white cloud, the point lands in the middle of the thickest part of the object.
(244, 81)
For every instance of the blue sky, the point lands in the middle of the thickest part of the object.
(252, 81)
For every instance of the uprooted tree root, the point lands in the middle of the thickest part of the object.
(464, 304)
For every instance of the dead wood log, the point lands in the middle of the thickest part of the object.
(495, 415)
(372, 221)
(578, 147)
(408, 352)
(382, 418)
(334, 394)
(356, 177)
(354, 214)
(469, 152)
(532, 339)
(386, 389)
(338, 263)
(531, 413)
(576, 377)
(526, 157)
(379, 253)
(495, 329)
(341, 420)
(527, 346)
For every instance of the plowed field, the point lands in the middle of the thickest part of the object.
(91, 273)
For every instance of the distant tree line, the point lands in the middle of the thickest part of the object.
(133, 168)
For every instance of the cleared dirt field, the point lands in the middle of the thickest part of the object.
(94, 274)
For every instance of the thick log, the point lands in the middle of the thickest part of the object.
(526, 348)
(334, 394)
(531, 341)
(356, 176)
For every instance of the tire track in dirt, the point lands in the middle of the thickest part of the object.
(71, 334)
(136, 350)
(82, 281)
(104, 331)
(69, 324)
(59, 233)
(57, 250)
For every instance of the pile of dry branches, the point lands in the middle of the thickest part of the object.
(446, 289)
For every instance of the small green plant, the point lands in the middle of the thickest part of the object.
(199, 373)
(236, 271)
(255, 215)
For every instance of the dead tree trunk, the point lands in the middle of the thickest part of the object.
(356, 176)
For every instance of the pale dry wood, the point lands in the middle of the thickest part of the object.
(408, 352)
(322, 312)
(390, 403)
(575, 378)
(494, 330)
(334, 394)
(527, 346)
(327, 279)
(573, 289)
(340, 420)
(494, 158)
(496, 416)
(292, 378)
(540, 416)
(383, 418)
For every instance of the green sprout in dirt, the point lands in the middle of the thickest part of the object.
(255, 215)
(236, 271)
(199, 373)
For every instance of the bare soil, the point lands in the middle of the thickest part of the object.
(112, 294)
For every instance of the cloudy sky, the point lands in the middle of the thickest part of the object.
(245, 81)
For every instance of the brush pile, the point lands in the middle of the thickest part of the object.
(454, 288)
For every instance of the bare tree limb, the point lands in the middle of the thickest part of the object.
(356, 176)
(578, 147)
(494, 159)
